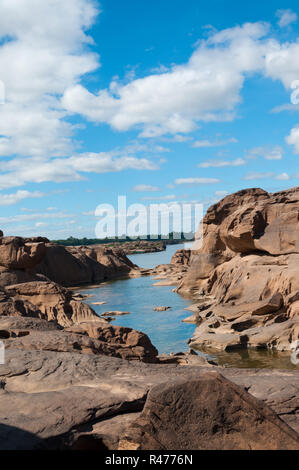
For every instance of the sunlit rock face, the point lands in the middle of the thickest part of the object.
(249, 253)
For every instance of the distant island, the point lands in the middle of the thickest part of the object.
(170, 239)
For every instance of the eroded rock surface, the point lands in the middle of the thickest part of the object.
(57, 400)
(95, 337)
(243, 274)
(206, 413)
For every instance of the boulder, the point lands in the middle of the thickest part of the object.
(45, 300)
(15, 253)
(91, 337)
(207, 413)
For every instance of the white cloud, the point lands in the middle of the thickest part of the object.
(217, 143)
(258, 175)
(267, 175)
(282, 177)
(286, 17)
(221, 194)
(191, 181)
(10, 199)
(41, 224)
(205, 88)
(169, 197)
(38, 170)
(222, 163)
(34, 216)
(42, 53)
(293, 138)
(145, 187)
(269, 153)
(89, 213)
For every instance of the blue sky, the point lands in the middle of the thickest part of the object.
(161, 101)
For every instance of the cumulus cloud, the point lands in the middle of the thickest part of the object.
(282, 177)
(286, 17)
(293, 138)
(169, 197)
(206, 88)
(269, 153)
(222, 163)
(267, 175)
(42, 52)
(16, 173)
(221, 194)
(10, 199)
(145, 187)
(192, 181)
(217, 143)
(34, 216)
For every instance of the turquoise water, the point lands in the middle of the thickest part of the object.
(140, 297)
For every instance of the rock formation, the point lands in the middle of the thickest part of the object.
(244, 272)
(59, 400)
(94, 337)
(30, 295)
(206, 413)
(29, 259)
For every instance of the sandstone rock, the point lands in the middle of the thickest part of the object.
(73, 266)
(208, 413)
(247, 263)
(92, 337)
(49, 399)
(131, 344)
(16, 254)
(181, 257)
(45, 300)
(117, 313)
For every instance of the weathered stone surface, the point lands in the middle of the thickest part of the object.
(15, 253)
(181, 257)
(45, 300)
(73, 266)
(120, 341)
(92, 337)
(116, 313)
(246, 271)
(207, 413)
(49, 399)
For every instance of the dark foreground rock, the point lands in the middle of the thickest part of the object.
(206, 413)
(71, 400)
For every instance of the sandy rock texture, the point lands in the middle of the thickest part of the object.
(52, 399)
(243, 273)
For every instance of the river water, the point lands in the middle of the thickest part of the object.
(165, 329)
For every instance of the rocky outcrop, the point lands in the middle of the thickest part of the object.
(73, 266)
(58, 400)
(206, 413)
(30, 259)
(15, 253)
(244, 272)
(94, 337)
(45, 300)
